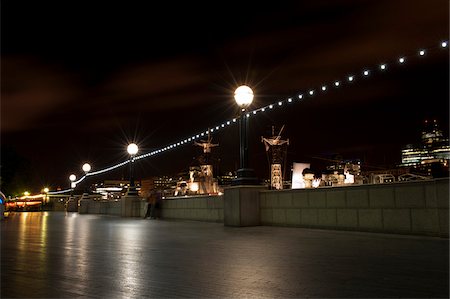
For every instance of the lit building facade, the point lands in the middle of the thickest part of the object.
(434, 149)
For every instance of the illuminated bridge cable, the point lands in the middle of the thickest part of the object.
(349, 79)
(59, 192)
(299, 97)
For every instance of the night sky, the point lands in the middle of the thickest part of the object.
(80, 80)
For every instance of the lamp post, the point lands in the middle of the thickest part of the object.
(70, 206)
(86, 168)
(72, 179)
(245, 175)
(132, 150)
(46, 190)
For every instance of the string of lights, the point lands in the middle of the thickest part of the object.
(299, 97)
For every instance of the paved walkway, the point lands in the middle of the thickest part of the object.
(55, 255)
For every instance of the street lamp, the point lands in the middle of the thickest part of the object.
(46, 190)
(132, 150)
(86, 167)
(245, 175)
(72, 178)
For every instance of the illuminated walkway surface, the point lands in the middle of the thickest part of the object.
(55, 254)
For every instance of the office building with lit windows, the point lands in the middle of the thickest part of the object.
(434, 149)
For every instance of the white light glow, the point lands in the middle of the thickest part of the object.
(86, 167)
(132, 149)
(444, 44)
(72, 177)
(243, 96)
(366, 73)
(316, 183)
(401, 60)
(324, 88)
(350, 78)
(298, 181)
(349, 178)
(193, 187)
(422, 52)
(311, 92)
(337, 83)
(280, 103)
(300, 96)
(383, 66)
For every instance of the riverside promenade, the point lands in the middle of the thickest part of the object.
(68, 255)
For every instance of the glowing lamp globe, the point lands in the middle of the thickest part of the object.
(72, 177)
(132, 149)
(86, 167)
(46, 190)
(243, 96)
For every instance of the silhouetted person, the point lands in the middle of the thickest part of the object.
(151, 200)
(156, 206)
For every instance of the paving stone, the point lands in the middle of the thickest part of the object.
(57, 255)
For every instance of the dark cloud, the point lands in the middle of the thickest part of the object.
(93, 77)
(33, 90)
(160, 84)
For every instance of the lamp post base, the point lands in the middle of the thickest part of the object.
(245, 176)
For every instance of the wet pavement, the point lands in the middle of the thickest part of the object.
(57, 254)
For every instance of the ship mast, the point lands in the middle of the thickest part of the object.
(206, 179)
(276, 147)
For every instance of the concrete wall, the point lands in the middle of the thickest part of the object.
(241, 205)
(100, 207)
(201, 208)
(420, 208)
